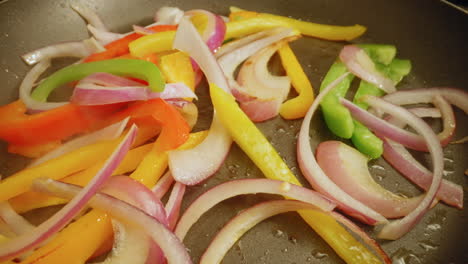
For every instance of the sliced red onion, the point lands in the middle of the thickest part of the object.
(89, 15)
(104, 37)
(416, 142)
(16, 223)
(319, 180)
(214, 31)
(163, 185)
(130, 245)
(454, 96)
(256, 81)
(108, 133)
(235, 44)
(27, 85)
(426, 112)
(167, 15)
(398, 228)
(25, 242)
(234, 188)
(243, 222)
(400, 158)
(230, 61)
(142, 30)
(347, 168)
(194, 165)
(78, 49)
(92, 94)
(174, 203)
(363, 235)
(397, 155)
(173, 249)
(360, 64)
(109, 80)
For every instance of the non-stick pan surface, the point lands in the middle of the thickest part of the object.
(430, 33)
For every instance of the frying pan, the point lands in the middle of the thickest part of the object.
(430, 33)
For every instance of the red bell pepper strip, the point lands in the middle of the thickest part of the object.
(56, 124)
(120, 47)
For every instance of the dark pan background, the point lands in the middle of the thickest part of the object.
(430, 33)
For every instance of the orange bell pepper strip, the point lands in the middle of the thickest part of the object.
(78, 249)
(251, 140)
(298, 106)
(177, 68)
(34, 151)
(120, 47)
(323, 31)
(67, 164)
(56, 124)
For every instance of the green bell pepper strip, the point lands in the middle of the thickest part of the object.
(262, 153)
(337, 117)
(364, 140)
(140, 69)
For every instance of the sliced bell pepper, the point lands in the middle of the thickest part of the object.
(128, 67)
(67, 164)
(322, 31)
(32, 200)
(153, 43)
(65, 243)
(298, 106)
(120, 47)
(262, 153)
(177, 67)
(19, 128)
(337, 117)
(33, 151)
(364, 140)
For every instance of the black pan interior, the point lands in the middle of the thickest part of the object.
(430, 33)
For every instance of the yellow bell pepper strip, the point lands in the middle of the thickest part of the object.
(32, 200)
(262, 153)
(328, 32)
(64, 245)
(60, 247)
(177, 68)
(140, 69)
(34, 151)
(65, 165)
(298, 106)
(154, 43)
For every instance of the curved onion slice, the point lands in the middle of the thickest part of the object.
(174, 203)
(360, 64)
(400, 158)
(416, 142)
(129, 243)
(230, 61)
(108, 133)
(163, 185)
(347, 168)
(398, 228)
(243, 222)
(27, 86)
(89, 15)
(92, 94)
(233, 188)
(142, 30)
(173, 249)
(363, 235)
(214, 30)
(104, 37)
(78, 49)
(319, 180)
(168, 15)
(28, 241)
(194, 165)
(16, 223)
(235, 44)
(266, 90)
(454, 96)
